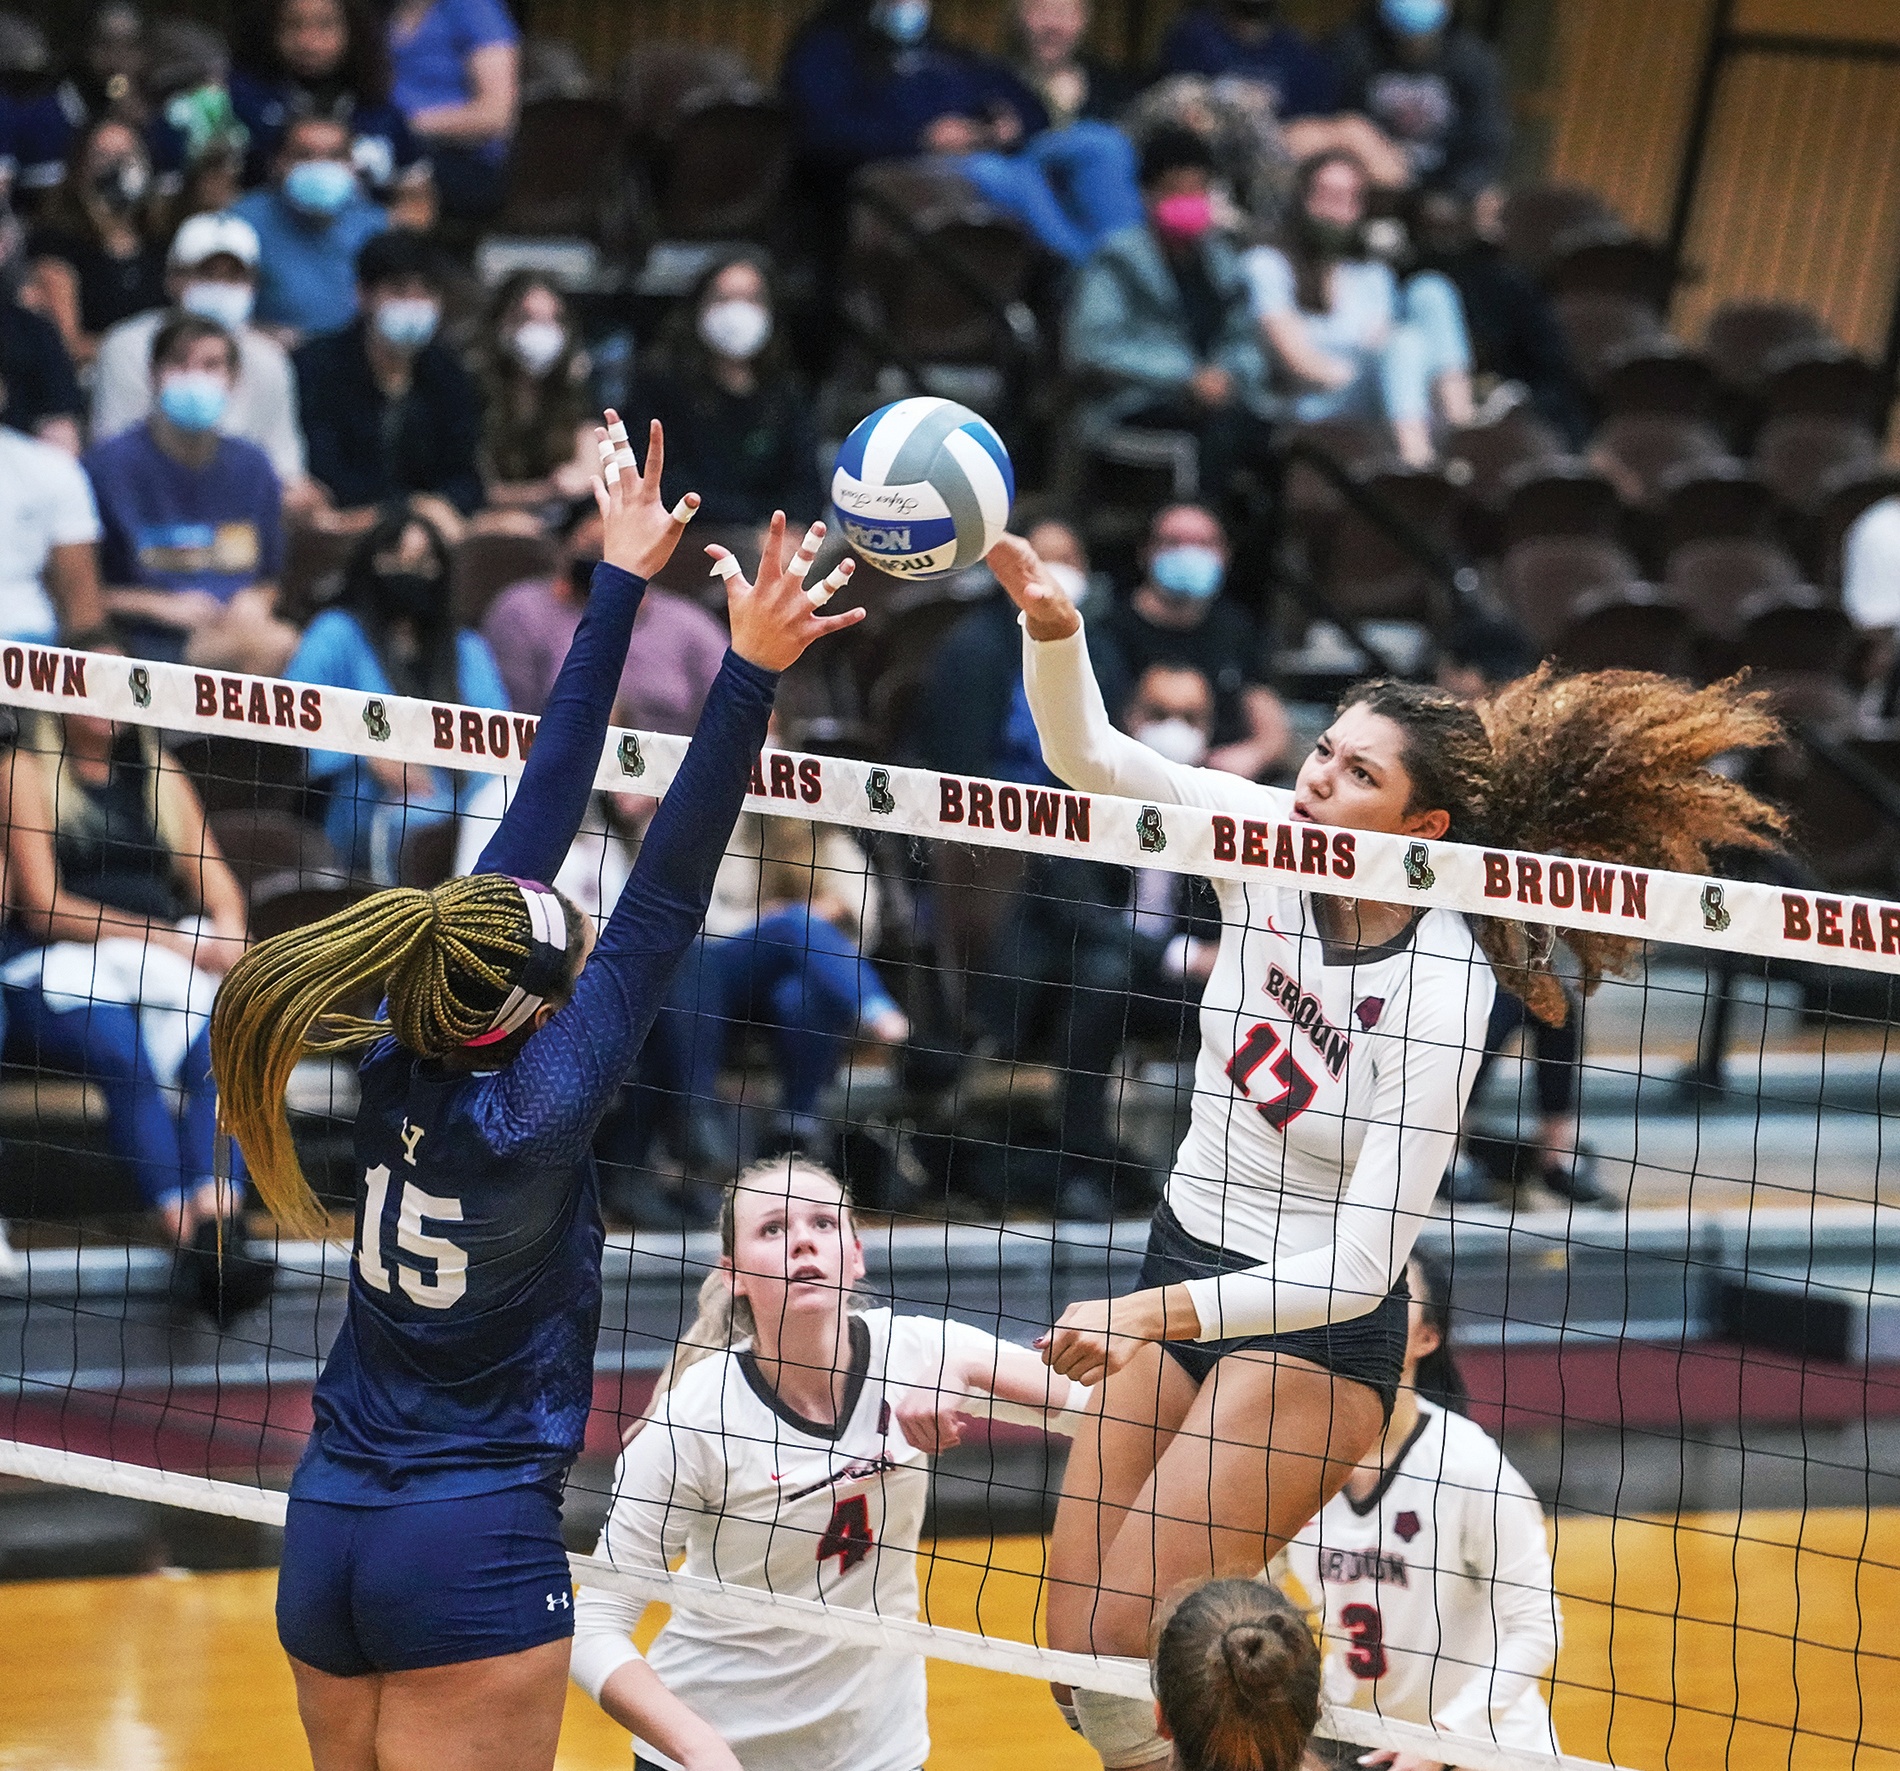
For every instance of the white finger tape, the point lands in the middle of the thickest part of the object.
(840, 576)
(683, 511)
(617, 432)
(725, 567)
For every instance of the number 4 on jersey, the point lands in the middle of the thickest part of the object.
(1296, 1087)
(848, 1536)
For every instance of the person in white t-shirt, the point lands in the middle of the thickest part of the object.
(211, 269)
(788, 1449)
(1430, 1569)
(49, 541)
(1339, 1040)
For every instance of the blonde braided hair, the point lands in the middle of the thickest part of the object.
(446, 958)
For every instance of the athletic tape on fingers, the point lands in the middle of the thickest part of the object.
(725, 567)
(840, 576)
(1690, 910)
(616, 452)
(807, 555)
(683, 512)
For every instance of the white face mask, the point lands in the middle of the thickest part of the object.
(737, 328)
(227, 303)
(537, 345)
(1176, 739)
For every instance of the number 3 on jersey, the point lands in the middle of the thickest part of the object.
(1365, 1631)
(442, 1276)
(1296, 1087)
(848, 1536)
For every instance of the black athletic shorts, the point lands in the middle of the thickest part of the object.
(1369, 1349)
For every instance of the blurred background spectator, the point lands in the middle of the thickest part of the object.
(388, 408)
(97, 257)
(1349, 340)
(393, 632)
(1433, 86)
(457, 81)
(1246, 40)
(1047, 52)
(43, 396)
(537, 427)
(311, 222)
(193, 529)
(738, 415)
(49, 534)
(327, 58)
(211, 270)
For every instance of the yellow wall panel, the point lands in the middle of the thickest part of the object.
(1626, 82)
(1799, 196)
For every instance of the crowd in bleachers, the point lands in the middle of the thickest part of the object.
(303, 336)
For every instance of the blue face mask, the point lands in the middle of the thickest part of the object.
(407, 322)
(319, 187)
(903, 21)
(193, 400)
(1415, 18)
(1189, 570)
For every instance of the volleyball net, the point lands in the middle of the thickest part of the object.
(976, 1001)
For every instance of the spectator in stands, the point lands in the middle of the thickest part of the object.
(312, 221)
(393, 632)
(43, 395)
(537, 434)
(737, 414)
(34, 128)
(1870, 592)
(458, 82)
(1513, 327)
(388, 408)
(108, 78)
(1046, 51)
(1160, 322)
(212, 271)
(1177, 616)
(95, 258)
(327, 58)
(676, 652)
(1433, 86)
(1343, 333)
(49, 538)
(123, 905)
(1245, 40)
(194, 539)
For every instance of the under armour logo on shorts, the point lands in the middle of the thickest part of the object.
(560, 1602)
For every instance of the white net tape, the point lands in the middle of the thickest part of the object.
(1726, 915)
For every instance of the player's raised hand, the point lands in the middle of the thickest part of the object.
(641, 532)
(1047, 611)
(775, 619)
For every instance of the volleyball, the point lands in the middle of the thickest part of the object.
(923, 487)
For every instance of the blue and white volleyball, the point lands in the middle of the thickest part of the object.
(923, 488)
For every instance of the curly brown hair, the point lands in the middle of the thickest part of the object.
(1612, 765)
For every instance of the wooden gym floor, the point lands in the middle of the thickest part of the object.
(1768, 1641)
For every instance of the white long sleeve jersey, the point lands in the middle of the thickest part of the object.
(1330, 1084)
(754, 1496)
(1435, 1592)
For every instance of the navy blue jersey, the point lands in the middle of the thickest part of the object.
(465, 1359)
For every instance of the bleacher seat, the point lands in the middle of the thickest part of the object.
(1650, 446)
(1540, 218)
(723, 167)
(1602, 329)
(263, 842)
(1657, 376)
(1565, 497)
(484, 564)
(1799, 457)
(1635, 628)
(1715, 577)
(1545, 577)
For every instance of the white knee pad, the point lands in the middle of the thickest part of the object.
(1121, 1729)
(1066, 1710)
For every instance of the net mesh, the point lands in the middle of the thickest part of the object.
(1694, 1392)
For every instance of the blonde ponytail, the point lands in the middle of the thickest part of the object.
(446, 960)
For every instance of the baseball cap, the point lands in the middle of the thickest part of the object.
(201, 237)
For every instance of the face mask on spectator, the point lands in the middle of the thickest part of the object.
(193, 399)
(1330, 239)
(319, 187)
(1188, 569)
(1177, 739)
(408, 596)
(121, 183)
(537, 345)
(1069, 579)
(736, 328)
(228, 303)
(1415, 18)
(903, 21)
(407, 322)
(1186, 216)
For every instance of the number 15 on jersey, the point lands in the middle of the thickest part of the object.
(434, 1273)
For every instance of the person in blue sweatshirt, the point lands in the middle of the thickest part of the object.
(424, 1597)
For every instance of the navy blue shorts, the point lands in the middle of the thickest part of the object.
(427, 1583)
(1369, 1349)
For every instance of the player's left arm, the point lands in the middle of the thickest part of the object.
(1506, 1545)
(977, 1368)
